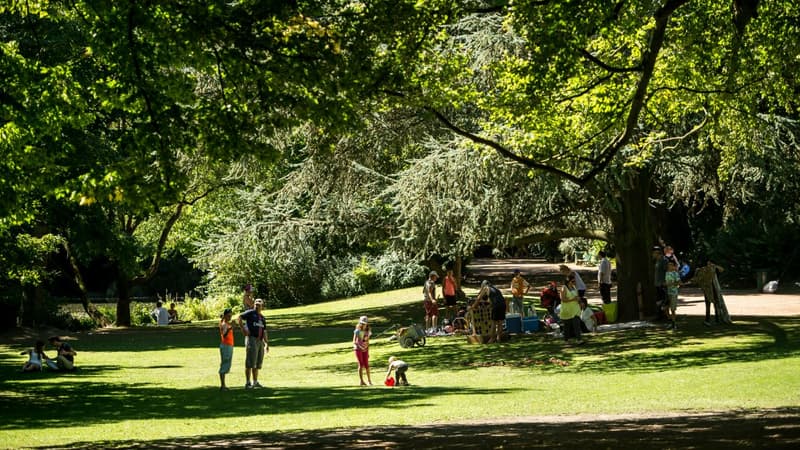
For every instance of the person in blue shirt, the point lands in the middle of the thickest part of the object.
(256, 342)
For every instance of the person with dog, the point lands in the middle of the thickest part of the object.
(361, 337)
(400, 368)
(256, 342)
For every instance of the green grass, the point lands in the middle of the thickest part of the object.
(148, 384)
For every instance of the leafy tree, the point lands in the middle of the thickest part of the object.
(599, 94)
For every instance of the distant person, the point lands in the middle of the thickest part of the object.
(588, 319)
(361, 336)
(256, 342)
(160, 314)
(498, 305)
(248, 298)
(36, 358)
(570, 311)
(400, 368)
(550, 298)
(173, 315)
(225, 347)
(519, 287)
(431, 307)
(450, 298)
(604, 277)
(579, 284)
(660, 272)
(672, 280)
(65, 355)
(706, 278)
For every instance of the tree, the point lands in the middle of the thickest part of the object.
(600, 93)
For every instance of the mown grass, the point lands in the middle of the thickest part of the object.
(148, 384)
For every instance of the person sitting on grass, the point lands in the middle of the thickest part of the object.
(173, 315)
(36, 358)
(588, 319)
(160, 314)
(65, 355)
(400, 368)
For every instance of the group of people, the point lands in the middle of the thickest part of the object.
(164, 316)
(361, 335)
(670, 274)
(38, 360)
(253, 326)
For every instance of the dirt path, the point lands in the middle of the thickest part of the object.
(691, 303)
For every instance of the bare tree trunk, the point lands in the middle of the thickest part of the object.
(123, 301)
(633, 240)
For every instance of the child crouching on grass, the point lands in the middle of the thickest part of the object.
(400, 367)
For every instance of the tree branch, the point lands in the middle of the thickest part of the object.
(585, 53)
(500, 149)
(649, 59)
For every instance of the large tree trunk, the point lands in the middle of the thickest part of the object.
(633, 240)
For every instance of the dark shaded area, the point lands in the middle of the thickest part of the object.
(774, 429)
(84, 401)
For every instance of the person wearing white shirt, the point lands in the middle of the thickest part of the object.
(604, 277)
(161, 315)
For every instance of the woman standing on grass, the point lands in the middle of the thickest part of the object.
(361, 348)
(225, 347)
(570, 314)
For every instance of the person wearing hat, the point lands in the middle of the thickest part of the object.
(225, 346)
(519, 287)
(256, 342)
(431, 307)
(361, 348)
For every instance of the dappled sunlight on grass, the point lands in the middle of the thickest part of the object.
(157, 380)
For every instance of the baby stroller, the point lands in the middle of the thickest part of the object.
(410, 336)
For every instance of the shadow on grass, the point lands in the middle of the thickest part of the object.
(631, 351)
(80, 401)
(776, 428)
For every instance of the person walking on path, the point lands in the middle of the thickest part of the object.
(706, 278)
(225, 347)
(519, 287)
(604, 277)
(256, 342)
(431, 307)
(361, 337)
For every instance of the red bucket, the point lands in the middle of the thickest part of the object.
(389, 381)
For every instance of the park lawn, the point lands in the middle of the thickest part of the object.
(143, 384)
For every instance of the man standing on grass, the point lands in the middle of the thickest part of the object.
(604, 277)
(256, 342)
(519, 287)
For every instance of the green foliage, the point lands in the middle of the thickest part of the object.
(365, 276)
